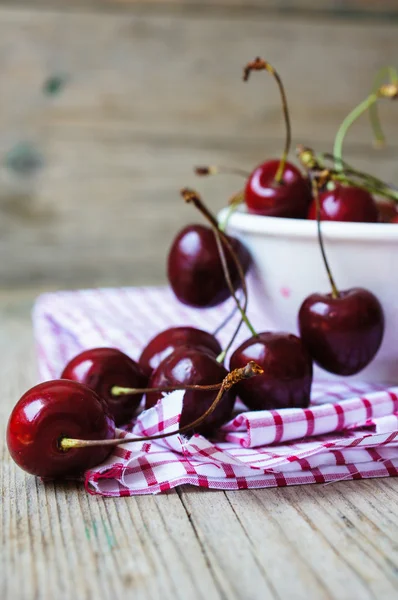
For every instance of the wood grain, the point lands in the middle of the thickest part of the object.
(148, 95)
(304, 543)
(350, 8)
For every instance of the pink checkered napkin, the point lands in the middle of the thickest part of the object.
(348, 432)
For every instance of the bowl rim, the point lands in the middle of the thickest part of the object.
(242, 221)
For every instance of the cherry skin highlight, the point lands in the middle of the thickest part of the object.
(290, 198)
(53, 410)
(195, 270)
(191, 366)
(346, 203)
(342, 334)
(287, 378)
(165, 342)
(103, 368)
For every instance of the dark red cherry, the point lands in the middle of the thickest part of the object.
(190, 366)
(346, 203)
(195, 270)
(387, 210)
(50, 411)
(164, 344)
(287, 378)
(290, 198)
(342, 334)
(103, 368)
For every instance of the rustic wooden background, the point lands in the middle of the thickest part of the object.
(152, 89)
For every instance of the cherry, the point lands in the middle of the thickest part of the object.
(164, 344)
(287, 378)
(342, 333)
(342, 330)
(277, 188)
(265, 196)
(191, 366)
(346, 203)
(103, 368)
(50, 411)
(195, 269)
(387, 211)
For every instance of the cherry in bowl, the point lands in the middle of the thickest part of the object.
(289, 198)
(346, 203)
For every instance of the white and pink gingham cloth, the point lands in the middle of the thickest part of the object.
(350, 431)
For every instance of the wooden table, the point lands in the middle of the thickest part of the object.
(153, 89)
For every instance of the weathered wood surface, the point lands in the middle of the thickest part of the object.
(149, 94)
(312, 542)
(339, 8)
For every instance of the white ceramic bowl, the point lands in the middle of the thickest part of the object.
(289, 267)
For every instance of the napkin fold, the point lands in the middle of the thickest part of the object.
(350, 431)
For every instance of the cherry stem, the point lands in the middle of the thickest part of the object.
(116, 390)
(385, 91)
(250, 370)
(261, 65)
(222, 240)
(219, 169)
(315, 190)
(242, 310)
(227, 319)
(315, 165)
(233, 203)
(379, 137)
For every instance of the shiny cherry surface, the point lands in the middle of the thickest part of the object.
(342, 334)
(290, 198)
(346, 203)
(194, 267)
(101, 369)
(164, 344)
(287, 378)
(50, 411)
(190, 366)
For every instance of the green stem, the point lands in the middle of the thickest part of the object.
(346, 124)
(379, 137)
(236, 201)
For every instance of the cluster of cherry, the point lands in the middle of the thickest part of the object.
(63, 427)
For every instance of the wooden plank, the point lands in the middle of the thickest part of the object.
(147, 97)
(336, 542)
(334, 8)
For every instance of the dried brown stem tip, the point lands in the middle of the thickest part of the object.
(221, 170)
(258, 64)
(262, 65)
